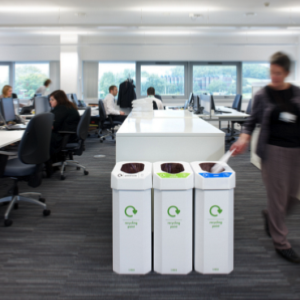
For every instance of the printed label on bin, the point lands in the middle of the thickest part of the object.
(212, 175)
(179, 175)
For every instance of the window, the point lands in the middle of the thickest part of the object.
(29, 77)
(253, 72)
(168, 80)
(4, 76)
(218, 80)
(113, 74)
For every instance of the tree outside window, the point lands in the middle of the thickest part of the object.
(29, 77)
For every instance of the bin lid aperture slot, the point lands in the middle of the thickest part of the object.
(132, 168)
(172, 168)
(208, 166)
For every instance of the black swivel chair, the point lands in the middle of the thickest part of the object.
(155, 107)
(106, 122)
(158, 97)
(76, 148)
(33, 152)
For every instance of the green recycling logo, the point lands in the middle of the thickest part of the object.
(134, 211)
(218, 209)
(177, 211)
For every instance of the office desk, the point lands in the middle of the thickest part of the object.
(94, 111)
(157, 139)
(165, 114)
(10, 137)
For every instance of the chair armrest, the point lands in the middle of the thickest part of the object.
(8, 153)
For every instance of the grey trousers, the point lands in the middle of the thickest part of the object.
(281, 176)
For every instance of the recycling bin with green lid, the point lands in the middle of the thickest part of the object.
(213, 218)
(173, 184)
(132, 183)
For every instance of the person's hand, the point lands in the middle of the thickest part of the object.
(122, 113)
(241, 145)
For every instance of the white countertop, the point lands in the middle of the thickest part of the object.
(167, 127)
(9, 137)
(164, 114)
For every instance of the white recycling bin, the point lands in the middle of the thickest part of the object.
(213, 219)
(132, 183)
(173, 184)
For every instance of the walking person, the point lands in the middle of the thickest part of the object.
(276, 108)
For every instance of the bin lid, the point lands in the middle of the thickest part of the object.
(172, 175)
(135, 175)
(206, 180)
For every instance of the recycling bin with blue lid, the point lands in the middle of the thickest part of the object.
(173, 184)
(213, 218)
(132, 184)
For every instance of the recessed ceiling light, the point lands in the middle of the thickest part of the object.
(250, 14)
(80, 14)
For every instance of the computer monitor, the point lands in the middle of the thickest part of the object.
(213, 106)
(191, 99)
(197, 106)
(38, 95)
(69, 96)
(206, 103)
(42, 105)
(8, 109)
(75, 100)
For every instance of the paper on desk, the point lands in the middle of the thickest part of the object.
(217, 168)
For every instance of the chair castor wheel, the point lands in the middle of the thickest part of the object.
(78, 168)
(8, 222)
(43, 200)
(101, 141)
(62, 177)
(16, 205)
(86, 172)
(46, 212)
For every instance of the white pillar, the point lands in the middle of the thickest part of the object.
(70, 64)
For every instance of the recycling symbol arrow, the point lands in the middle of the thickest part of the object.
(134, 211)
(176, 210)
(219, 210)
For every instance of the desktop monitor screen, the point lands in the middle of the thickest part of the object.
(196, 103)
(75, 100)
(191, 99)
(69, 96)
(206, 103)
(213, 106)
(42, 105)
(8, 109)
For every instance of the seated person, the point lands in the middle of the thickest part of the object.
(43, 89)
(109, 105)
(151, 94)
(66, 118)
(7, 92)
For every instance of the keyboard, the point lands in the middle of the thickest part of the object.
(16, 127)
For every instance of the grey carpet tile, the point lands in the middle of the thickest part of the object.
(68, 255)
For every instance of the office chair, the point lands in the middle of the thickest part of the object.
(76, 148)
(158, 97)
(106, 122)
(32, 153)
(237, 102)
(248, 112)
(155, 107)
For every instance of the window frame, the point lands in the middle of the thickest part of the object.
(162, 63)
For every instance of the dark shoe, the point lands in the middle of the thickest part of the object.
(289, 254)
(266, 219)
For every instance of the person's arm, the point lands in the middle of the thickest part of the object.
(110, 107)
(160, 105)
(256, 115)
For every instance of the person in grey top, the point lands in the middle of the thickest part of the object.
(276, 108)
(43, 89)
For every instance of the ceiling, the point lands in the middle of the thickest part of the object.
(140, 17)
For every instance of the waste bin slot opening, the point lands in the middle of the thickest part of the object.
(132, 168)
(172, 168)
(208, 166)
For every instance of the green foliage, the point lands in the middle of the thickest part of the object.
(28, 80)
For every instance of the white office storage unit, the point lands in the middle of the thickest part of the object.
(173, 217)
(213, 219)
(132, 183)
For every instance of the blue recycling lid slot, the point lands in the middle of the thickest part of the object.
(212, 175)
